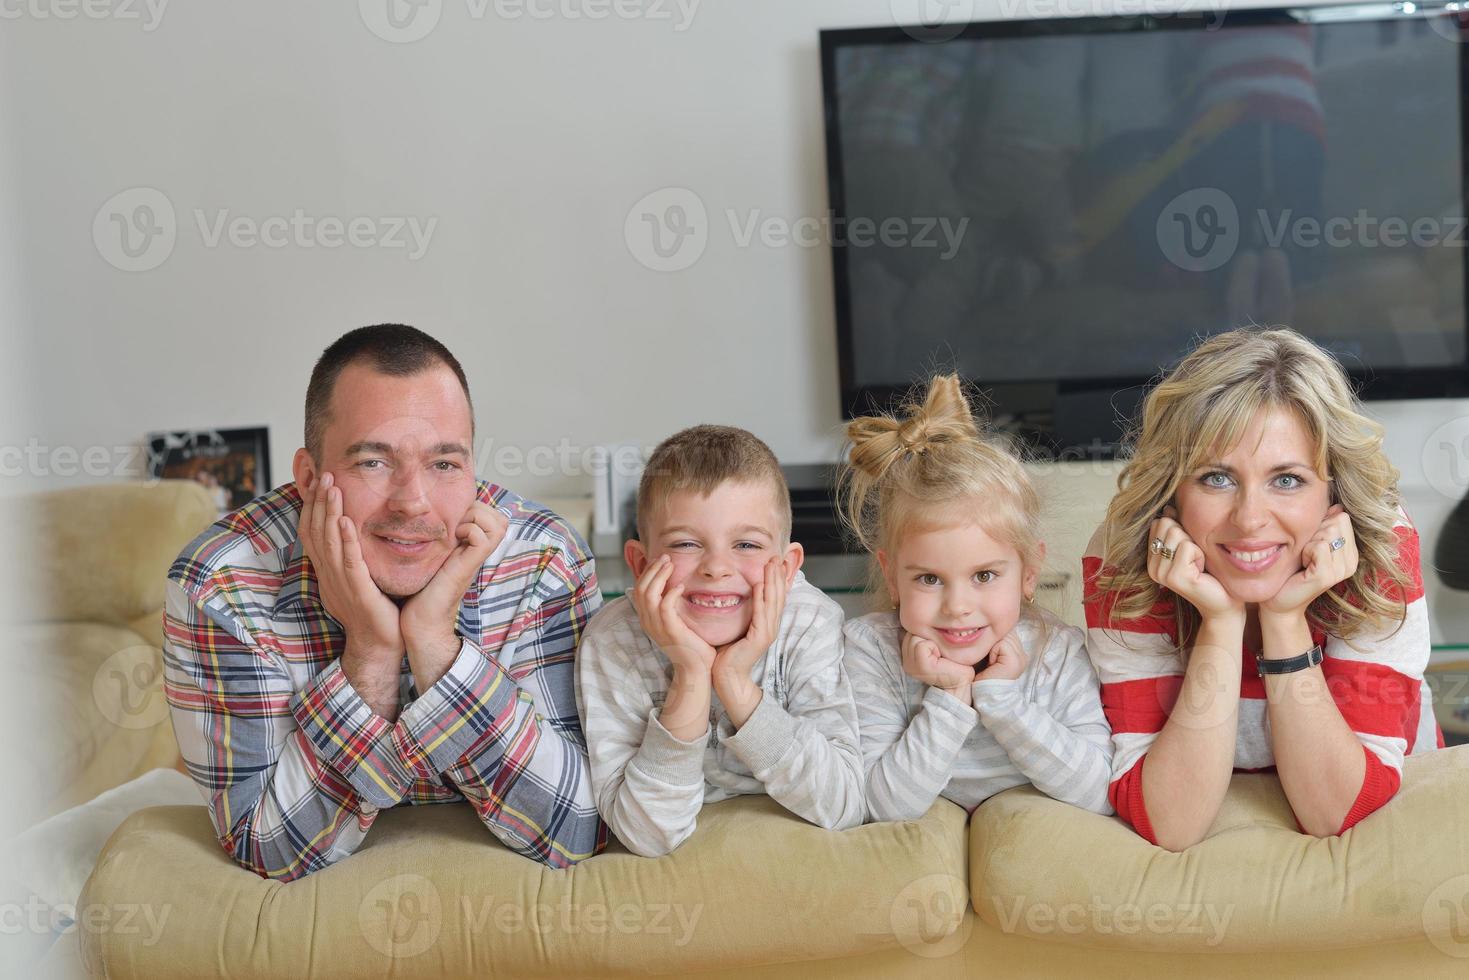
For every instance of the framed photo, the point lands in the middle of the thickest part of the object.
(232, 464)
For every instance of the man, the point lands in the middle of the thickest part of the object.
(384, 629)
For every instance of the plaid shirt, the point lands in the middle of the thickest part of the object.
(294, 765)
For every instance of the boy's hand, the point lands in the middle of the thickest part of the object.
(658, 612)
(373, 654)
(735, 661)
(1007, 659)
(923, 662)
(430, 617)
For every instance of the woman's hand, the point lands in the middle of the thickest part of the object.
(1184, 574)
(1322, 567)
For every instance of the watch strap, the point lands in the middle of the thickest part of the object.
(1290, 665)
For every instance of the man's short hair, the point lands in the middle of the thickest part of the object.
(703, 457)
(389, 348)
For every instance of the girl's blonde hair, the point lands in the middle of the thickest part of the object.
(933, 465)
(1200, 411)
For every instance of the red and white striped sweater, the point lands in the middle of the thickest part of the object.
(1378, 687)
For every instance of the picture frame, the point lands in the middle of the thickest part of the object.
(232, 464)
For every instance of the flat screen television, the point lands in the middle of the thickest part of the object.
(1060, 208)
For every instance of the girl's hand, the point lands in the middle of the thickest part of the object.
(1007, 659)
(923, 662)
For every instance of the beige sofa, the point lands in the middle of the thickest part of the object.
(94, 603)
(1027, 887)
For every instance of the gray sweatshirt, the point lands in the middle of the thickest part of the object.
(799, 746)
(1046, 727)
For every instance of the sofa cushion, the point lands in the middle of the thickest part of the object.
(1048, 870)
(101, 553)
(98, 690)
(431, 893)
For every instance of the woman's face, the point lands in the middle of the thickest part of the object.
(1253, 510)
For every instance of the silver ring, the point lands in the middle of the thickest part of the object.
(1159, 548)
(1338, 544)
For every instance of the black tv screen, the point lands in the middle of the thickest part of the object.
(1072, 203)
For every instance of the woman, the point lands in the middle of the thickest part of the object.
(1253, 598)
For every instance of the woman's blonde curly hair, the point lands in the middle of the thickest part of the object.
(933, 465)
(1199, 412)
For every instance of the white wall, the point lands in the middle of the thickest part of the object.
(527, 139)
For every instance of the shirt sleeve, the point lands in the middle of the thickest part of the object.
(806, 753)
(292, 780)
(1140, 675)
(501, 724)
(1377, 682)
(907, 761)
(1059, 739)
(649, 785)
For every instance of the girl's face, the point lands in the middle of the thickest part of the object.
(1253, 510)
(958, 587)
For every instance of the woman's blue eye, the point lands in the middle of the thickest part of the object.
(1208, 480)
(1296, 482)
(928, 578)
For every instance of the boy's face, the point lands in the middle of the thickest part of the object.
(958, 587)
(719, 546)
(400, 450)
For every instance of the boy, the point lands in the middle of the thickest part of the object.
(720, 672)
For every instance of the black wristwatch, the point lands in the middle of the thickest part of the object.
(1290, 665)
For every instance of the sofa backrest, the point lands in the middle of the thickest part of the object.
(101, 553)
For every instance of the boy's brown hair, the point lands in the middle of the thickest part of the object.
(701, 458)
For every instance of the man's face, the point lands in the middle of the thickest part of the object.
(401, 451)
(719, 546)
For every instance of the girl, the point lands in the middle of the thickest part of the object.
(963, 688)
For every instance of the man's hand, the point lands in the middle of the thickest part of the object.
(925, 663)
(1007, 660)
(1184, 574)
(429, 618)
(1322, 567)
(373, 657)
(734, 661)
(685, 711)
